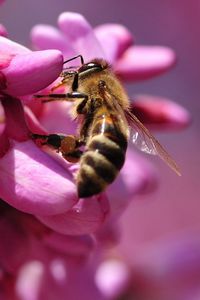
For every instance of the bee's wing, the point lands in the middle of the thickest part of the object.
(146, 142)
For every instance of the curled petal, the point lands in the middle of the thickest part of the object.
(3, 31)
(160, 113)
(33, 182)
(85, 217)
(143, 62)
(29, 73)
(48, 37)
(16, 127)
(81, 35)
(9, 47)
(115, 39)
(69, 245)
(32, 122)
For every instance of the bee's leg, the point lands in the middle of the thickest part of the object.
(52, 140)
(67, 79)
(67, 145)
(70, 97)
(81, 58)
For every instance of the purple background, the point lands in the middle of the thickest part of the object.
(175, 206)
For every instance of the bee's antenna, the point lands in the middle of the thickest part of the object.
(81, 57)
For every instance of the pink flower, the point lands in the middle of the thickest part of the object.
(3, 31)
(38, 185)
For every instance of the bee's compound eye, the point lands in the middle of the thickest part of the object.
(90, 66)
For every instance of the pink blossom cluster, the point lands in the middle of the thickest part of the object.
(46, 230)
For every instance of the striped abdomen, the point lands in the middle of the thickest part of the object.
(104, 157)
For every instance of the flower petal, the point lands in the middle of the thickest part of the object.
(33, 182)
(29, 73)
(80, 33)
(5, 60)
(3, 31)
(160, 113)
(58, 111)
(9, 47)
(69, 245)
(48, 37)
(115, 39)
(16, 127)
(143, 62)
(85, 217)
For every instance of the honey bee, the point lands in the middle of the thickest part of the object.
(102, 108)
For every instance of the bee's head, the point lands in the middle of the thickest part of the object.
(93, 66)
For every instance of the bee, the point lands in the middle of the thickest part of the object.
(102, 108)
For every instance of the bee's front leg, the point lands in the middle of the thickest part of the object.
(70, 97)
(67, 145)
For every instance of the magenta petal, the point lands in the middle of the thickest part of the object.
(32, 72)
(48, 37)
(115, 39)
(33, 182)
(16, 127)
(9, 47)
(69, 245)
(160, 113)
(81, 35)
(3, 31)
(5, 60)
(85, 217)
(143, 62)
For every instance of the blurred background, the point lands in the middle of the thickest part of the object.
(174, 208)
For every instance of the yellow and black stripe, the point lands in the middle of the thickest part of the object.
(103, 159)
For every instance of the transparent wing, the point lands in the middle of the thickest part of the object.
(146, 142)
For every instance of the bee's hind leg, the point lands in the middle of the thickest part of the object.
(67, 145)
